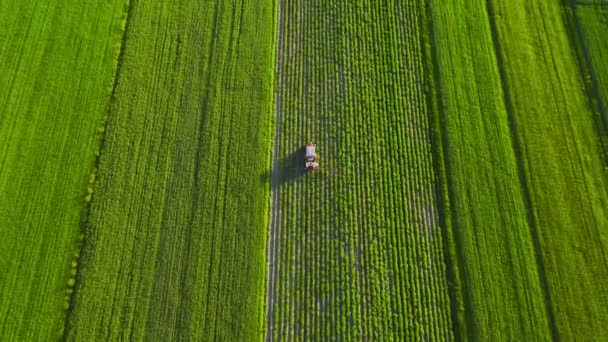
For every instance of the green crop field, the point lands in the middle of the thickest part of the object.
(176, 228)
(486, 214)
(561, 160)
(357, 248)
(153, 183)
(56, 71)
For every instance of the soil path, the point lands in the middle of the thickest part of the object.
(275, 182)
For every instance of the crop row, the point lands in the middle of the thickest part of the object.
(360, 250)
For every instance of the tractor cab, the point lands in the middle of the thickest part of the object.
(311, 157)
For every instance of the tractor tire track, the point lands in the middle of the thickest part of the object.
(517, 148)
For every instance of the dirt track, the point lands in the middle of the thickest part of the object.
(275, 182)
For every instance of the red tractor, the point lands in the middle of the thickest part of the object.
(311, 157)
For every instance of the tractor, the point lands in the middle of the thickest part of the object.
(311, 157)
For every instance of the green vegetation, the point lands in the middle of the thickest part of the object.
(176, 235)
(462, 191)
(493, 262)
(359, 249)
(594, 21)
(527, 237)
(57, 62)
(561, 157)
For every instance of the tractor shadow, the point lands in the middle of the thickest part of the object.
(290, 167)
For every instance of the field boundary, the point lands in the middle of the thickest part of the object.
(274, 179)
(439, 141)
(84, 220)
(522, 172)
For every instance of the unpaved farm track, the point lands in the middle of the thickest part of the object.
(274, 211)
